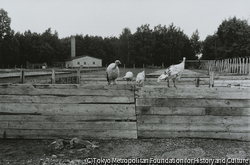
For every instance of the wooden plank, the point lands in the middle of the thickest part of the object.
(232, 82)
(70, 133)
(227, 111)
(213, 135)
(95, 125)
(64, 118)
(192, 111)
(195, 127)
(149, 110)
(56, 99)
(68, 86)
(191, 92)
(180, 82)
(105, 83)
(182, 79)
(192, 119)
(92, 76)
(191, 102)
(3, 124)
(61, 89)
(99, 79)
(231, 77)
(101, 111)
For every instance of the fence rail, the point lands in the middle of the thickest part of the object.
(239, 65)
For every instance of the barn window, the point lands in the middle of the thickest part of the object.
(78, 63)
(93, 62)
(84, 63)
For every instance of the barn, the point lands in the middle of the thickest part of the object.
(83, 61)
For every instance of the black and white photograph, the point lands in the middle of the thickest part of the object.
(124, 82)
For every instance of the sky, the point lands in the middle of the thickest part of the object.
(107, 18)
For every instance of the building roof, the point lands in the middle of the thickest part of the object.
(70, 59)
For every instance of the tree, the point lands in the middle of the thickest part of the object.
(176, 44)
(9, 46)
(195, 42)
(161, 42)
(143, 45)
(111, 50)
(234, 36)
(4, 24)
(210, 45)
(187, 50)
(125, 45)
(232, 39)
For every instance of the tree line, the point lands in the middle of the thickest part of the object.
(232, 39)
(147, 46)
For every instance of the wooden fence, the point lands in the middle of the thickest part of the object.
(67, 111)
(202, 112)
(239, 65)
(123, 111)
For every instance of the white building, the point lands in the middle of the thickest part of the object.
(83, 61)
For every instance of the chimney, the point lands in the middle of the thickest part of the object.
(73, 47)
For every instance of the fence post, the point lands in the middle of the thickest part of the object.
(223, 65)
(249, 65)
(243, 66)
(134, 66)
(246, 66)
(53, 77)
(240, 64)
(208, 66)
(22, 76)
(211, 79)
(229, 65)
(198, 82)
(237, 66)
(234, 65)
(78, 76)
(124, 66)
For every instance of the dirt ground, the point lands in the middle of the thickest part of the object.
(122, 150)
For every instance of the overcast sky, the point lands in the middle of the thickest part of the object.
(108, 18)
